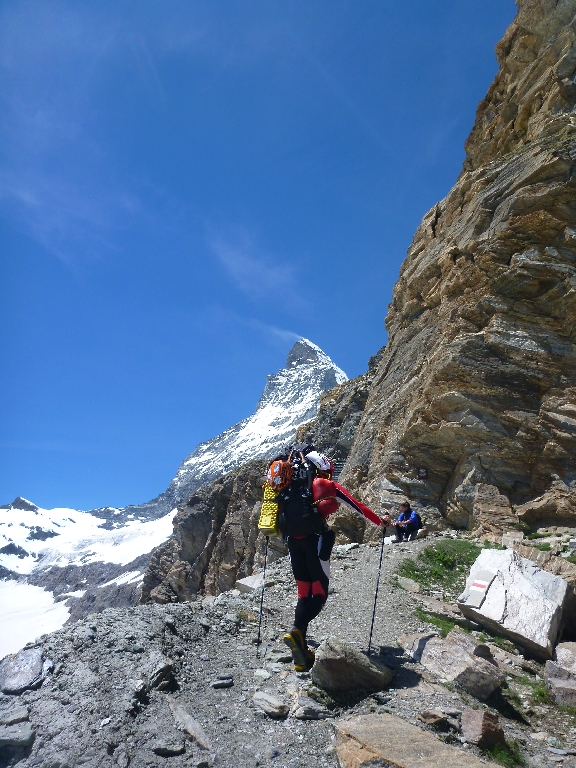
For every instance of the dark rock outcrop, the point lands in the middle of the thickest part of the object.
(215, 539)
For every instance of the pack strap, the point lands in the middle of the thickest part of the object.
(324, 498)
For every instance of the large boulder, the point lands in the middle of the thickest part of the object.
(516, 599)
(469, 664)
(22, 670)
(386, 740)
(340, 666)
(560, 675)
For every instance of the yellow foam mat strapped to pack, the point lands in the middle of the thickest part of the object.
(268, 522)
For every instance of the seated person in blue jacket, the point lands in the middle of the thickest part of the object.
(407, 522)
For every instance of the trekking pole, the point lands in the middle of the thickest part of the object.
(377, 586)
(262, 599)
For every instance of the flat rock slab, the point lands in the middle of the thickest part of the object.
(387, 740)
(249, 583)
(17, 736)
(21, 671)
(514, 598)
(340, 666)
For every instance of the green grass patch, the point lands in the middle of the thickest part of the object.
(541, 695)
(571, 559)
(543, 547)
(493, 545)
(445, 564)
(506, 645)
(444, 625)
(536, 535)
(510, 755)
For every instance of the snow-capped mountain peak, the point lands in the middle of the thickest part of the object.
(290, 398)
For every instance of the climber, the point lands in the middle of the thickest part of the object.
(310, 541)
(407, 524)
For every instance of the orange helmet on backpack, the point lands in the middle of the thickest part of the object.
(279, 474)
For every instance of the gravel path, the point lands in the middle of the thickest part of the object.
(120, 676)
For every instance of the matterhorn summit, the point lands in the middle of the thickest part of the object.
(290, 398)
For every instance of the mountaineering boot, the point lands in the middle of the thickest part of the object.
(295, 641)
(310, 658)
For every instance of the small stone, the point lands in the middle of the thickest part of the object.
(408, 584)
(260, 675)
(227, 682)
(560, 675)
(137, 648)
(558, 751)
(22, 670)
(104, 722)
(17, 736)
(170, 622)
(340, 666)
(434, 718)
(169, 747)
(539, 736)
(270, 705)
(272, 752)
(308, 709)
(14, 716)
(482, 728)
(414, 644)
(451, 661)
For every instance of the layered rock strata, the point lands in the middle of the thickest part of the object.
(472, 410)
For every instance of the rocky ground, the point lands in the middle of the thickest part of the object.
(174, 684)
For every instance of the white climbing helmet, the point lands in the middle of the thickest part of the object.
(319, 460)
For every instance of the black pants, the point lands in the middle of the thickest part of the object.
(404, 531)
(307, 556)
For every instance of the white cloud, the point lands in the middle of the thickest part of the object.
(261, 277)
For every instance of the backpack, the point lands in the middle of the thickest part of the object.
(298, 515)
(419, 523)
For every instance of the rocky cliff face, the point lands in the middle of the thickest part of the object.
(214, 541)
(473, 406)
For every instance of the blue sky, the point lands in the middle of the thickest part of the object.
(188, 187)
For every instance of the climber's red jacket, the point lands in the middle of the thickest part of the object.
(328, 494)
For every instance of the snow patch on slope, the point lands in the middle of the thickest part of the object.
(27, 612)
(75, 538)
